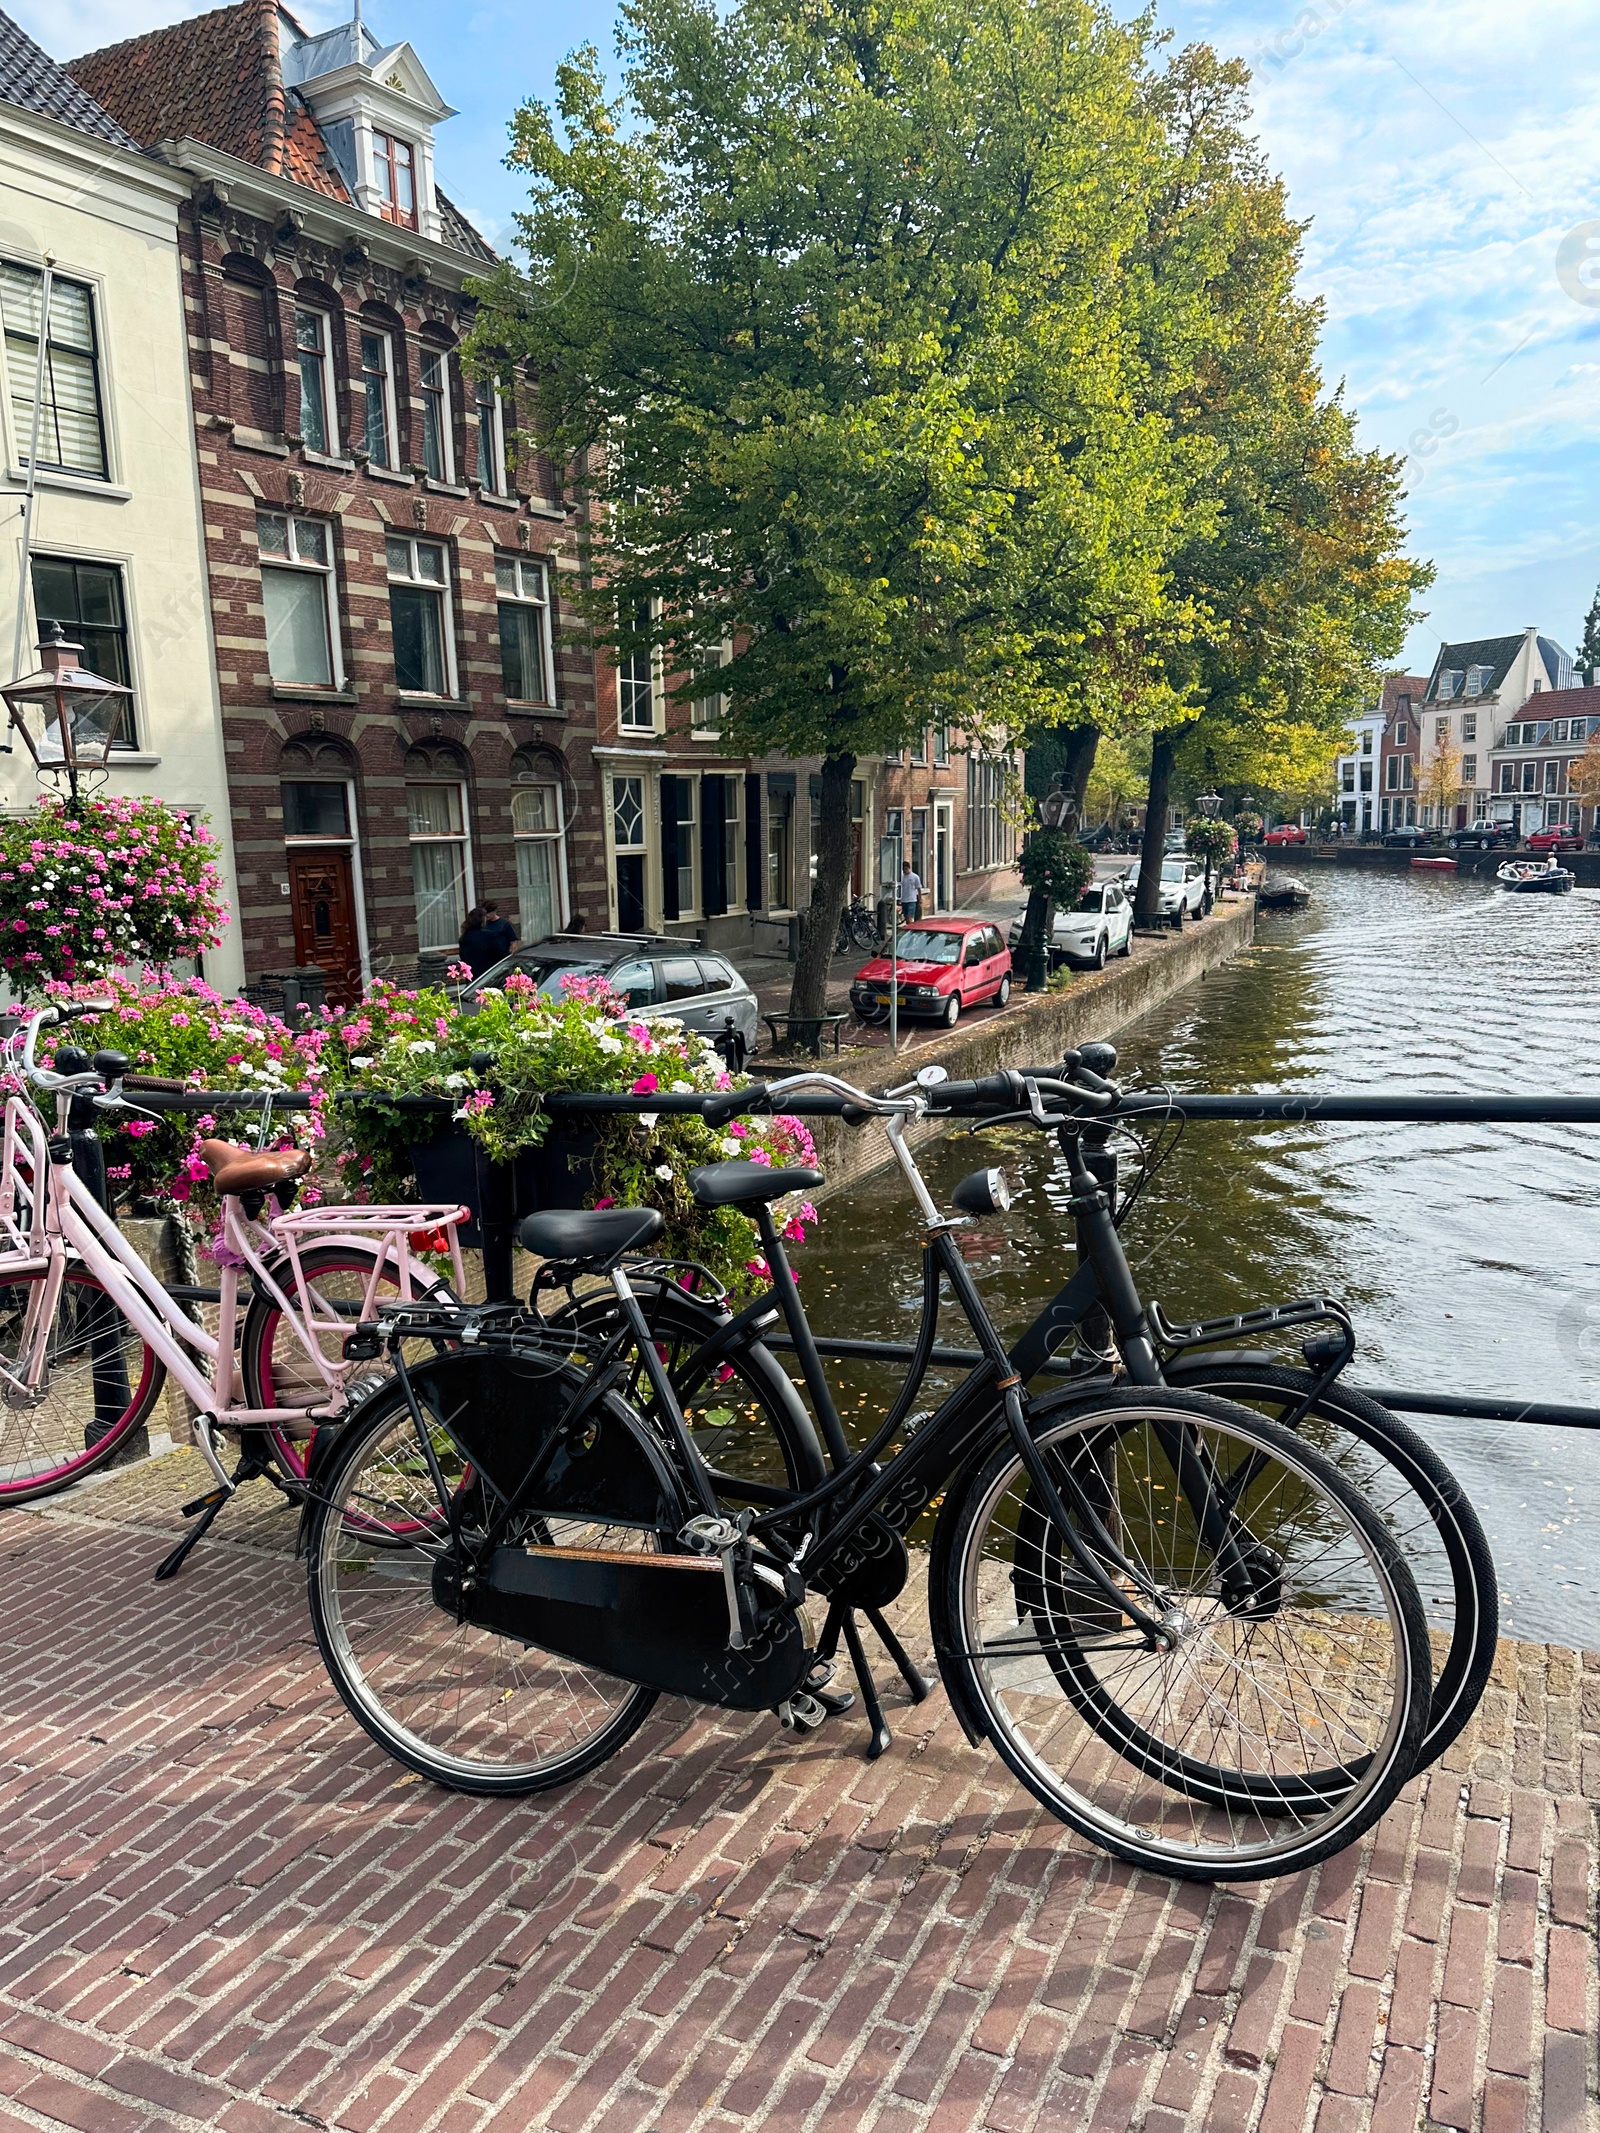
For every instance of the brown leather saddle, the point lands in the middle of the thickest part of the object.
(235, 1169)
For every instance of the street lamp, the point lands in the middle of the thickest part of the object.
(69, 718)
(1210, 805)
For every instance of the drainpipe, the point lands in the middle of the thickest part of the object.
(33, 465)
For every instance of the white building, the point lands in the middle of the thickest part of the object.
(1475, 690)
(1355, 776)
(116, 553)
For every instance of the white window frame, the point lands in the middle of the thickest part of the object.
(390, 210)
(644, 850)
(444, 401)
(20, 386)
(488, 396)
(441, 586)
(627, 681)
(291, 561)
(461, 839)
(323, 355)
(689, 781)
(525, 569)
(706, 712)
(733, 882)
(385, 339)
(557, 836)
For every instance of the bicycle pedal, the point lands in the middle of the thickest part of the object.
(835, 1706)
(803, 1712)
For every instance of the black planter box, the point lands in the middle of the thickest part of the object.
(452, 1167)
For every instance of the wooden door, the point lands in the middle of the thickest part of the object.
(322, 899)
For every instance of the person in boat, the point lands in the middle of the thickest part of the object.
(1552, 864)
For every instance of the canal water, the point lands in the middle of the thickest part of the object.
(1469, 1256)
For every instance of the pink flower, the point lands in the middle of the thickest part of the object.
(646, 1085)
(599, 1204)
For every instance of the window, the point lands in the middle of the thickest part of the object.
(437, 455)
(297, 598)
(315, 808)
(1449, 685)
(732, 843)
(1552, 777)
(1347, 777)
(417, 616)
(635, 981)
(919, 747)
(1441, 729)
(780, 849)
(317, 399)
(706, 712)
(72, 436)
(377, 398)
(680, 978)
(1402, 732)
(1537, 687)
(1508, 777)
(491, 439)
(395, 164)
(714, 976)
(989, 839)
(1469, 725)
(1558, 732)
(1578, 728)
(1391, 774)
(435, 820)
(1478, 680)
(628, 845)
(523, 593)
(536, 823)
(1366, 744)
(680, 846)
(1406, 778)
(1469, 770)
(86, 599)
(636, 684)
(941, 744)
(1530, 777)
(1366, 777)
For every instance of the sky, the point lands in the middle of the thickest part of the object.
(1444, 155)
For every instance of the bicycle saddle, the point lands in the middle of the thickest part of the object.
(743, 1184)
(253, 1169)
(586, 1236)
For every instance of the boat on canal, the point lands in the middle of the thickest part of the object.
(1434, 866)
(1534, 877)
(1282, 892)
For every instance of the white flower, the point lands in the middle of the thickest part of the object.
(422, 1044)
(664, 1172)
(729, 1146)
(457, 1081)
(609, 1044)
(683, 1088)
(647, 1119)
(362, 1062)
(245, 1067)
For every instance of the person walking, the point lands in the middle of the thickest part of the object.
(486, 938)
(910, 896)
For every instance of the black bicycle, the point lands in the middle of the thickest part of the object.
(858, 928)
(1175, 1620)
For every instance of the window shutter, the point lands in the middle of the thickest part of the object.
(713, 846)
(754, 871)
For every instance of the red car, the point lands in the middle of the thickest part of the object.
(1286, 833)
(946, 964)
(1559, 837)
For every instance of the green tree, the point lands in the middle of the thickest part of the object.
(1294, 586)
(829, 309)
(1589, 647)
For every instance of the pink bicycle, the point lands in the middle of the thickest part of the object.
(89, 1334)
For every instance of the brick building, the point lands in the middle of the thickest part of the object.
(404, 732)
(1399, 750)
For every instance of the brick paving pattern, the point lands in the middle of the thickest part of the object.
(221, 1907)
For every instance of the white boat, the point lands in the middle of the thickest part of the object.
(1533, 877)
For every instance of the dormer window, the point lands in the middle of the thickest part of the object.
(395, 164)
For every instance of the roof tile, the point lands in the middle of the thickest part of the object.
(30, 78)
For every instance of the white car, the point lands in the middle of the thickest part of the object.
(1099, 925)
(1183, 889)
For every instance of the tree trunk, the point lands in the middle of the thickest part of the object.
(1147, 899)
(1082, 741)
(809, 993)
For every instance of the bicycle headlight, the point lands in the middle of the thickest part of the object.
(983, 1192)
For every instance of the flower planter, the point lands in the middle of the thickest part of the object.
(453, 1167)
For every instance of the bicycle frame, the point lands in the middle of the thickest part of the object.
(63, 1220)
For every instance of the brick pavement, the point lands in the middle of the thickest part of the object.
(223, 1908)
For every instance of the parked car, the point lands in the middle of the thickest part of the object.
(657, 975)
(1100, 924)
(1559, 837)
(1410, 839)
(1481, 836)
(946, 965)
(1183, 888)
(1286, 833)
(1176, 843)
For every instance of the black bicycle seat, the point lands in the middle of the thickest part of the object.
(586, 1235)
(743, 1184)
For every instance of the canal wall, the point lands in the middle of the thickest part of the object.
(1034, 1030)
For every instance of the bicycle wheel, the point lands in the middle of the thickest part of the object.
(276, 1368)
(1288, 1712)
(745, 1417)
(472, 1709)
(101, 1382)
(1423, 1508)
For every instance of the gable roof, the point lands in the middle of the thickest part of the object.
(31, 79)
(1577, 702)
(1498, 655)
(219, 78)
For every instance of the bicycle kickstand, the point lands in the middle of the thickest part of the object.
(204, 1510)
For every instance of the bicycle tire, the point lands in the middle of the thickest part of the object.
(1167, 1822)
(764, 1389)
(274, 1370)
(76, 1427)
(1474, 1621)
(356, 1501)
